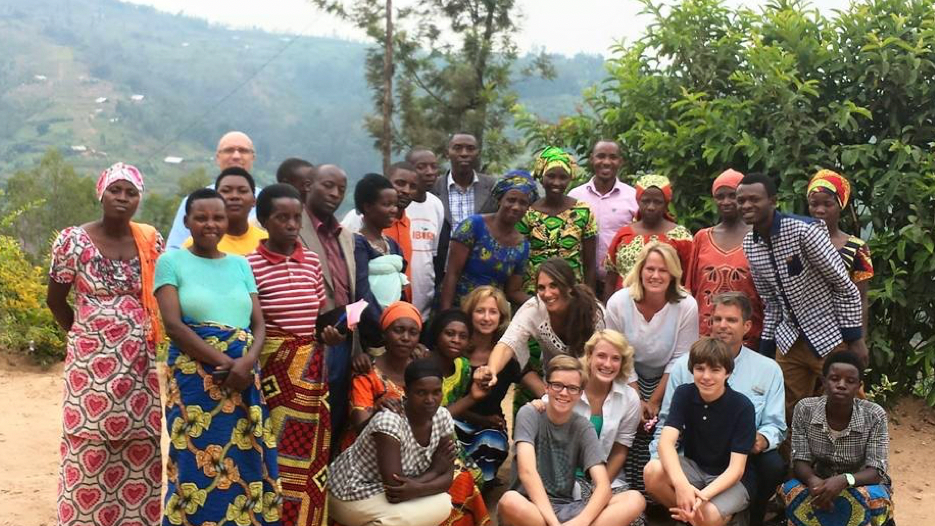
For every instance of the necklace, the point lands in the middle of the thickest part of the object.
(381, 245)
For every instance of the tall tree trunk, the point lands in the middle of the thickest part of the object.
(387, 140)
(480, 67)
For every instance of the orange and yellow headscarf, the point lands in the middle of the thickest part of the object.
(832, 182)
(655, 181)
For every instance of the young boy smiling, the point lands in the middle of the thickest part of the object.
(706, 485)
(550, 447)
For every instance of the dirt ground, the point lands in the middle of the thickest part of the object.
(30, 402)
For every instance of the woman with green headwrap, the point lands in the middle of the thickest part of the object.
(557, 225)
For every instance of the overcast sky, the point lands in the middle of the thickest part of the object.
(558, 26)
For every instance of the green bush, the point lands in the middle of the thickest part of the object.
(788, 91)
(26, 325)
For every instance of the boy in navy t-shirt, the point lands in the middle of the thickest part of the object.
(707, 484)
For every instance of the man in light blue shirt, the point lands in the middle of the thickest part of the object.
(759, 379)
(234, 149)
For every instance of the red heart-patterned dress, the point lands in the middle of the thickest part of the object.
(111, 471)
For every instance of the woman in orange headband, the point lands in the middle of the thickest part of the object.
(718, 263)
(828, 194)
(382, 386)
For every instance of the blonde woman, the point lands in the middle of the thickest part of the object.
(482, 429)
(660, 320)
(490, 313)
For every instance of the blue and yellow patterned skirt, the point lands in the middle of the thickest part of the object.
(858, 506)
(222, 452)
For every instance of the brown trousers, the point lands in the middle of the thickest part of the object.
(801, 370)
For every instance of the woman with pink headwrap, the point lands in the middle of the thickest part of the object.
(111, 466)
(718, 263)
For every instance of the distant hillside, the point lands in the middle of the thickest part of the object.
(71, 69)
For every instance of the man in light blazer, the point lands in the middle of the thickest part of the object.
(463, 192)
(322, 233)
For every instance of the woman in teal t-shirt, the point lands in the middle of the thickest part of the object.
(222, 456)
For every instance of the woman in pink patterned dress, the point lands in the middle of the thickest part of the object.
(111, 469)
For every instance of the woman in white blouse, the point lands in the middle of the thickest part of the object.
(660, 320)
(561, 317)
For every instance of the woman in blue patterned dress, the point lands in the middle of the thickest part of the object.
(486, 249)
(222, 456)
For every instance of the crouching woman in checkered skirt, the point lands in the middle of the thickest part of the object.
(405, 483)
(840, 444)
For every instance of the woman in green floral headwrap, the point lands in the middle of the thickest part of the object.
(557, 225)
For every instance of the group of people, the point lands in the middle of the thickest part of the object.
(650, 366)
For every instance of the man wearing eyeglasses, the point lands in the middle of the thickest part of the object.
(235, 149)
(549, 448)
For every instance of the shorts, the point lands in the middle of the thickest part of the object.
(584, 487)
(565, 510)
(728, 502)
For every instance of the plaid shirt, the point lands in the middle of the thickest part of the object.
(805, 288)
(460, 201)
(355, 474)
(864, 443)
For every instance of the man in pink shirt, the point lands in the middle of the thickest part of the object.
(613, 202)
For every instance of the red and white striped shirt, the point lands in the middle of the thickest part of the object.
(291, 288)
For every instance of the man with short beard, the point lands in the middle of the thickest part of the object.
(759, 379)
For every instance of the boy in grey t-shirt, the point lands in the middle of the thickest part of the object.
(549, 448)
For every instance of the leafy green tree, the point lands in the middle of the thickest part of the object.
(454, 71)
(26, 325)
(788, 91)
(51, 196)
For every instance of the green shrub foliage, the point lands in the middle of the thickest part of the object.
(26, 325)
(788, 91)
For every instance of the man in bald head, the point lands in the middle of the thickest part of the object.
(234, 149)
(323, 234)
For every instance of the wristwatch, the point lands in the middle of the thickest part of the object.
(850, 479)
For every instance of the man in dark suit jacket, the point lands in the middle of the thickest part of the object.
(463, 185)
(322, 233)
(463, 192)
